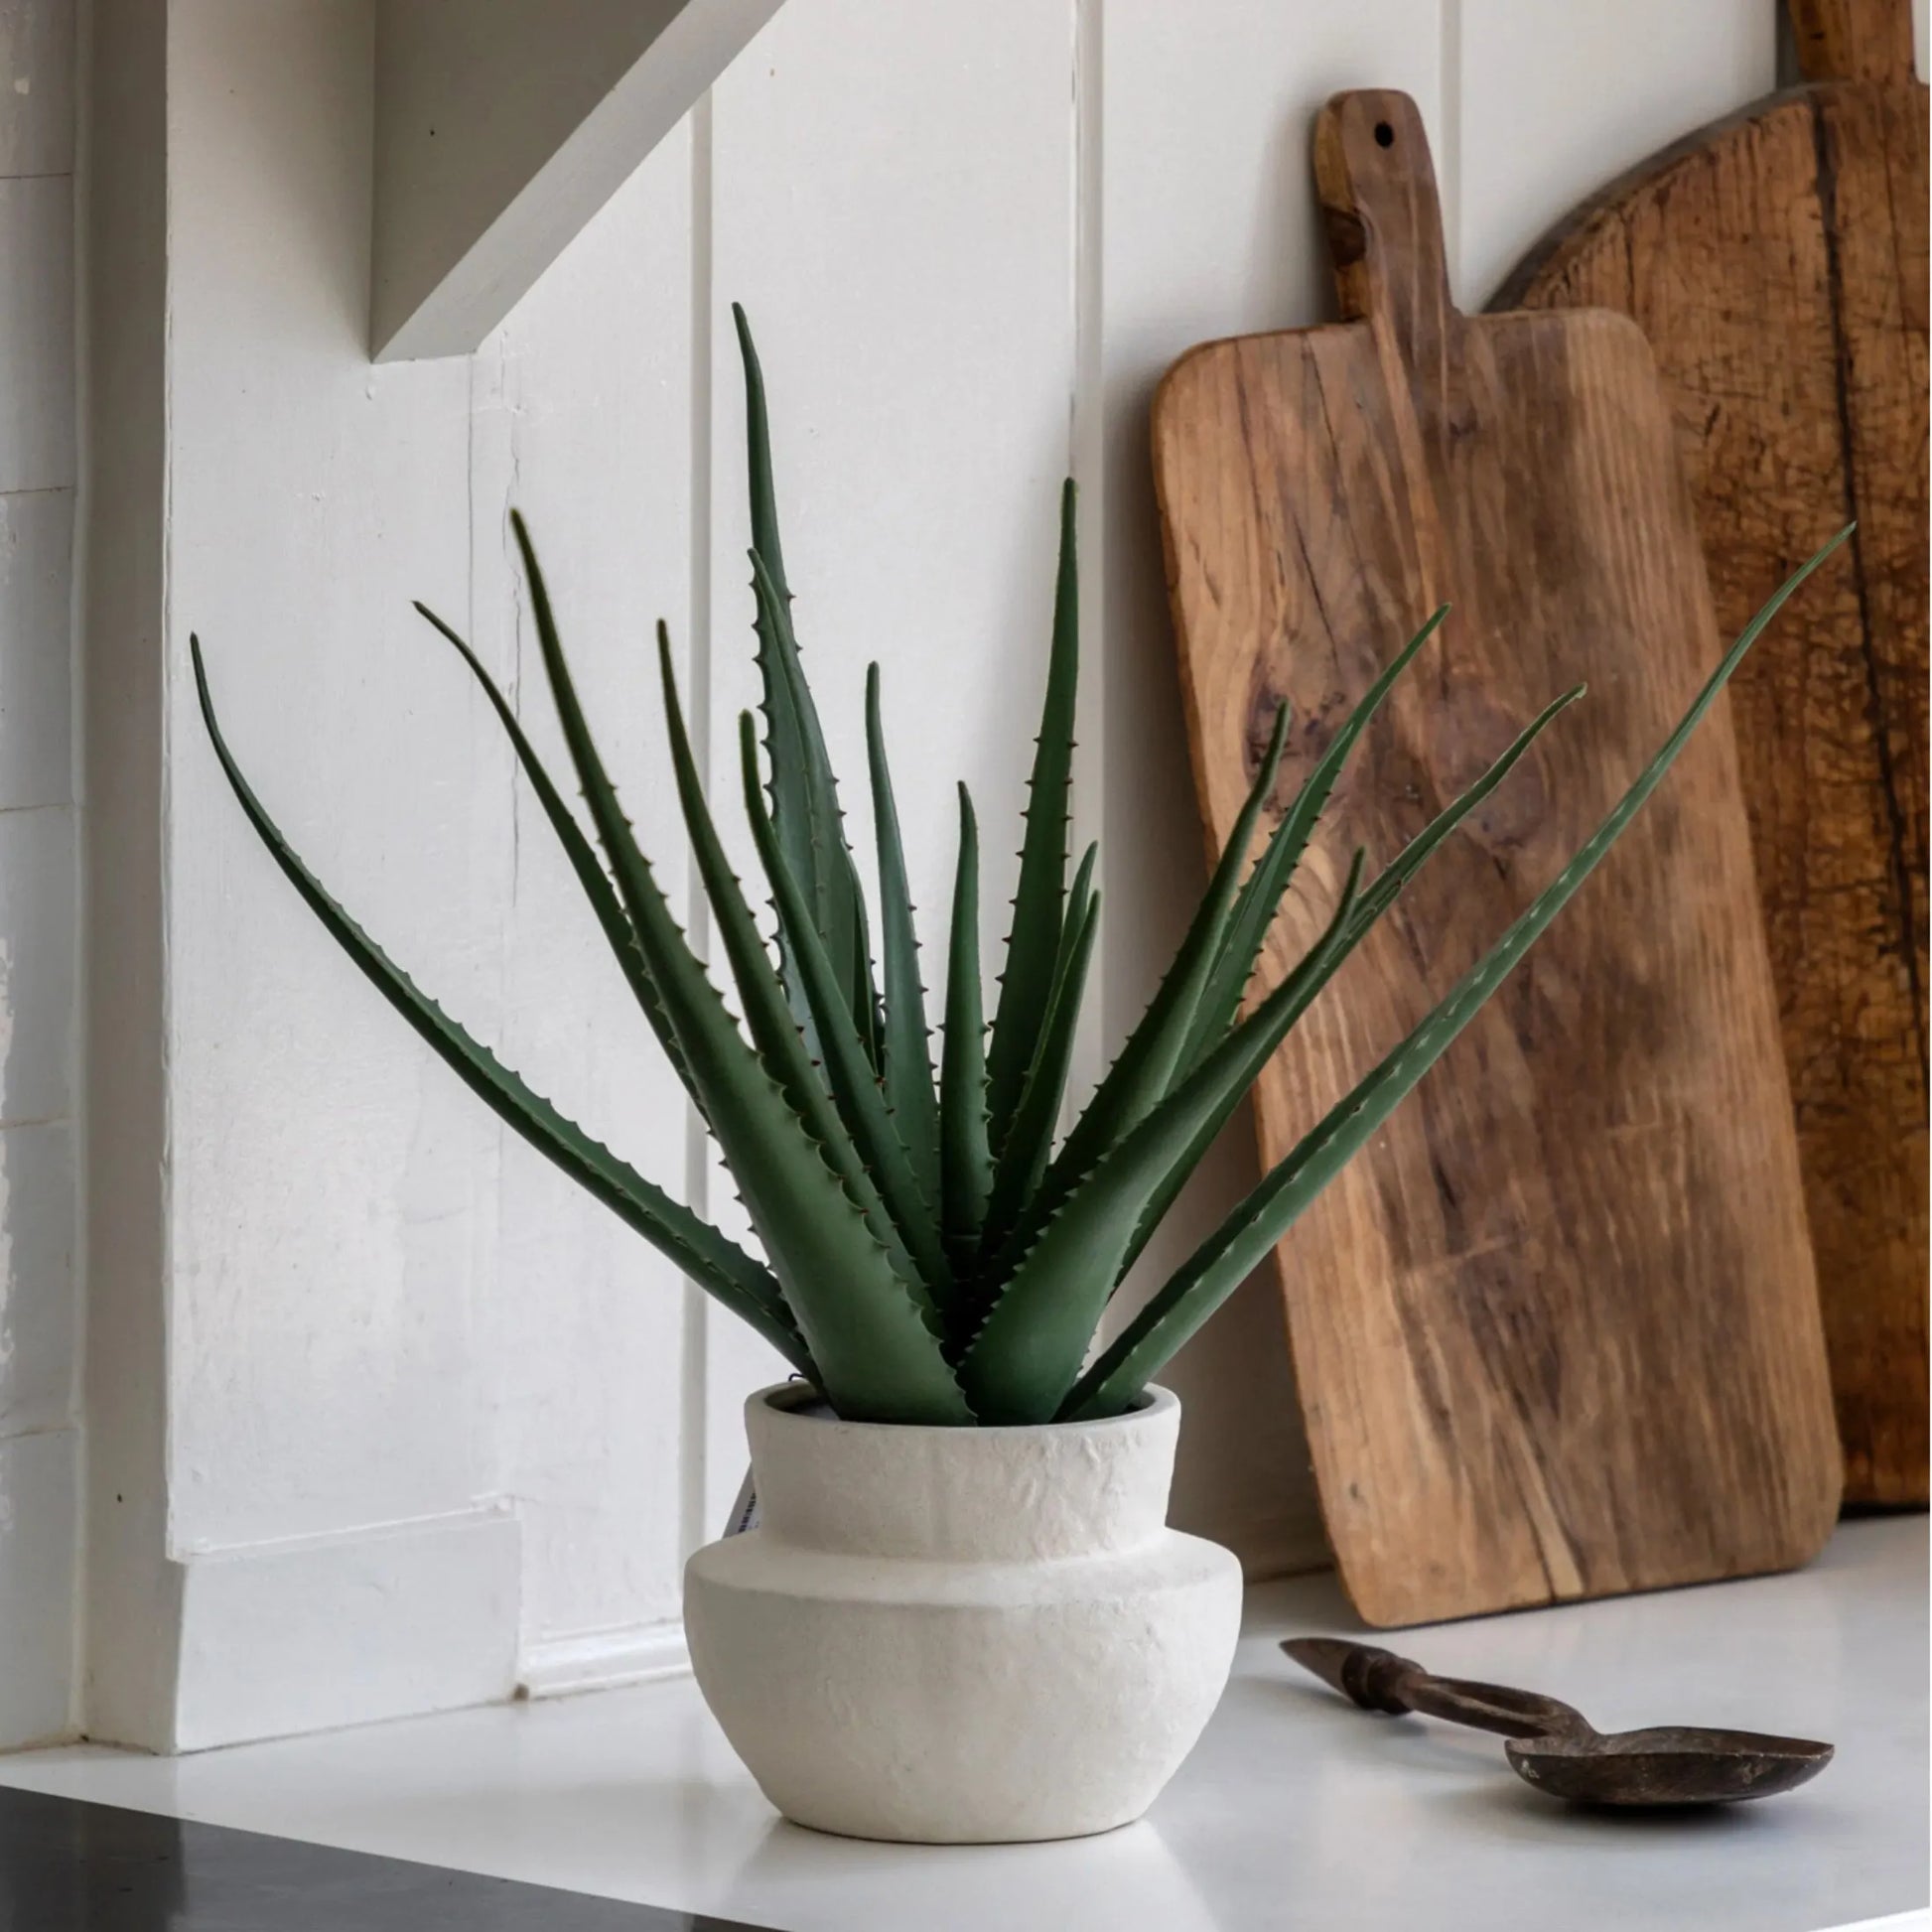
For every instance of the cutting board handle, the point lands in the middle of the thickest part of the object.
(1854, 40)
(1377, 183)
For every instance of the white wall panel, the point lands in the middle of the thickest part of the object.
(38, 1498)
(1208, 228)
(37, 965)
(893, 198)
(38, 923)
(37, 333)
(333, 1187)
(130, 1620)
(39, 1313)
(315, 1632)
(37, 120)
(583, 422)
(36, 648)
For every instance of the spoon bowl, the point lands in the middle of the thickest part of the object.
(1555, 1748)
(1666, 1766)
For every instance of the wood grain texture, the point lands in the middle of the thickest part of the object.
(1555, 1330)
(1778, 264)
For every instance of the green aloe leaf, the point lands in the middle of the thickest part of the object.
(1376, 898)
(804, 794)
(584, 862)
(791, 802)
(965, 1159)
(1040, 904)
(838, 905)
(1243, 1241)
(1027, 1353)
(910, 1090)
(1268, 883)
(860, 1099)
(1145, 1068)
(723, 1270)
(766, 1015)
(1030, 1141)
(876, 1360)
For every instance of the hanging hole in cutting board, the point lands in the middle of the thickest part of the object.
(1384, 135)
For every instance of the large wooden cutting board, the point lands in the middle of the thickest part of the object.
(1556, 1331)
(1777, 262)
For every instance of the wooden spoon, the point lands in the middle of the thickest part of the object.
(1558, 1751)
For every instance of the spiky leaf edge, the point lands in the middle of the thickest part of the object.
(804, 794)
(912, 1094)
(1040, 900)
(965, 1157)
(1023, 1160)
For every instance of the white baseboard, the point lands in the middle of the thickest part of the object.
(314, 1633)
(602, 1660)
(38, 1485)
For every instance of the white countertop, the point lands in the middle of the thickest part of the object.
(1295, 1811)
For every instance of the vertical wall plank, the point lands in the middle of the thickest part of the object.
(38, 1443)
(38, 876)
(37, 333)
(894, 205)
(131, 1625)
(1558, 101)
(39, 1478)
(1208, 227)
(37, 120)
(37, 965)
(333, 1188)
(586, 428)
(39, 1315)
(36, 648)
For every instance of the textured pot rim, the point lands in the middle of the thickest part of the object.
(782, 1402)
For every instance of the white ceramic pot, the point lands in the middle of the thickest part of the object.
(961, 1635)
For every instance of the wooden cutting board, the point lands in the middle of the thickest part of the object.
(1777, 262)
(1556, 1331)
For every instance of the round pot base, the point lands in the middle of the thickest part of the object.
(962, 1637)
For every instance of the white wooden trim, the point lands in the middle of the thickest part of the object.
(315, 1632)
(40, 1481)
(602, 1660)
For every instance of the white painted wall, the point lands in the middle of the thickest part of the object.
(434, 1424)
(39, 1298)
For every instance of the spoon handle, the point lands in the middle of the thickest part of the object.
(1379, 1679)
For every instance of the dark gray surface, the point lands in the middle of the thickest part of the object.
(67, 1866)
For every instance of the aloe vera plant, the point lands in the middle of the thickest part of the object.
(932, 1251)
